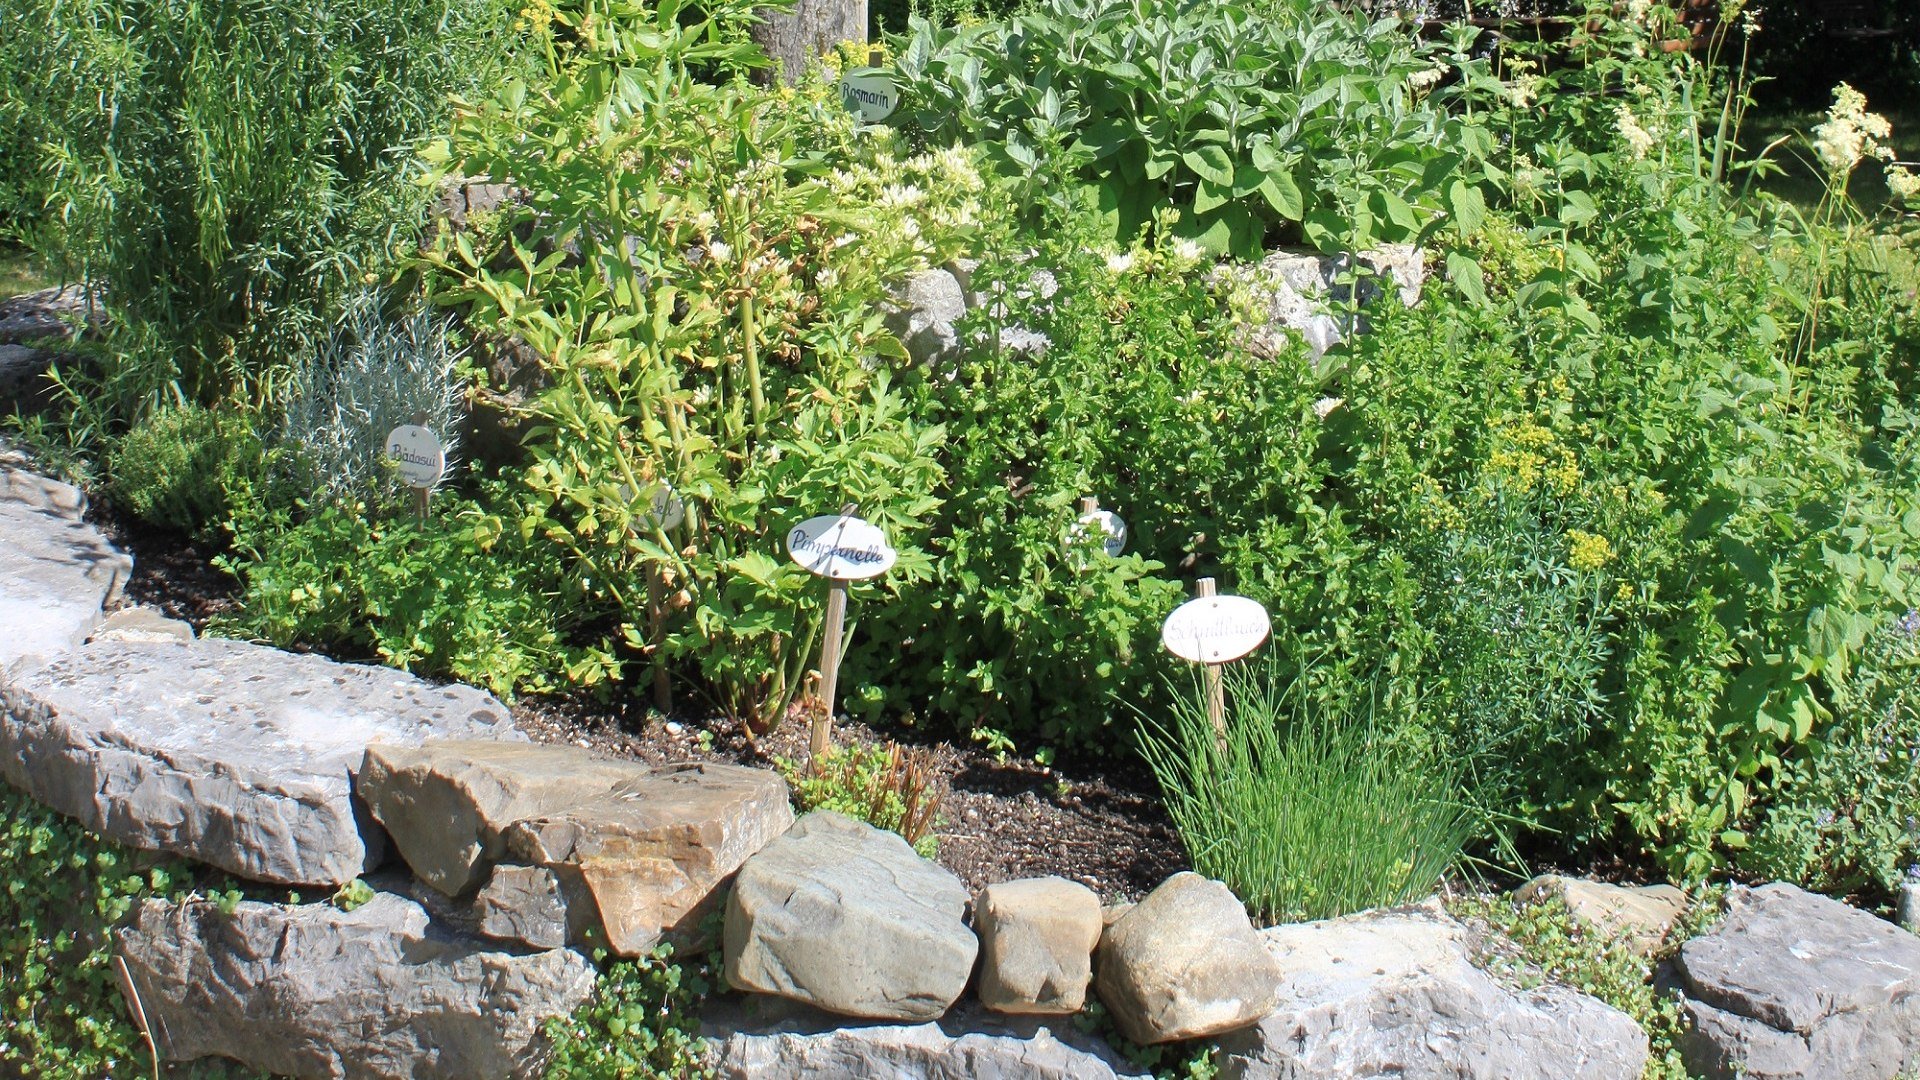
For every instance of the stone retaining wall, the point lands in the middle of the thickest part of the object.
(496, 864)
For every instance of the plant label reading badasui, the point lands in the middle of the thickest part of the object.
(665, 510)
(869, 93)
(839, 546)
(416, 452)
(1215, 629)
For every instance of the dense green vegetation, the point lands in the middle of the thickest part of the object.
(1617, 522)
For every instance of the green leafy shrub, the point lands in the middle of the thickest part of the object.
(641, 1024)
(460, 594)
(889, 787)
(225, 170)
(1844, 822)
(1284, 121)
(182, 466)
(1305, 811)
(719, 330)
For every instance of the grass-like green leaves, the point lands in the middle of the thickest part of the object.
(1305, 811)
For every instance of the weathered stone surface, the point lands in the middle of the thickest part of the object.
(1793, 985)
(447, 803)
(528, 905)
(653, 850)
(846, 917)
(771, 1039)
(46, 313)
(233, 754)
(1395, 994)
(1909, 907)
(56, 571)
(1036, 944)
(925, 309)
(313, 991)
(143, 625)
(1640, 916)
(1183, 963)
(1297, 292)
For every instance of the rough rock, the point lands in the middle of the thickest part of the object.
(1036, 944)
(771, 1039)
(1395, 993)
(925, 308)
(1298, 292)
(447, 804)
(1793, 985)
(312, 991)
(143, 625)
(1183, 963)
(1641, 916)
(233, 754)
(528, 905)
(653, 851)
(46, 313)
(844, 916)
(56, 571)
(1909, 907)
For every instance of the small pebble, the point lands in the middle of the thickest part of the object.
(673, 727)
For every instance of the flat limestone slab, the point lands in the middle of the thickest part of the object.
(236, 755)
(56, 571)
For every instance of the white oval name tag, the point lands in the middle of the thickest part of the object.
(1105, 525)
(837, 546)
(1215, 629)
(871, 95)
(417, 453)
(665, 510)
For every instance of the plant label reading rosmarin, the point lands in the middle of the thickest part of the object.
(840, 546)
(1215, 629)
(665, 510)
(417, 453)
(869, 93)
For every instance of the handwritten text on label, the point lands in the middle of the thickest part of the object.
(836, 546)
(417, 454)
(1215, 629)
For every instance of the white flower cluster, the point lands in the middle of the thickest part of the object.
(1639, 140)
(1851, 134)
(1904, 184)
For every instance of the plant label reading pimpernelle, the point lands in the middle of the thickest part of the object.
(416, 452)
(840, 546)
(1107, 526)
(1215, 629)
(665, 510)
(869, 93)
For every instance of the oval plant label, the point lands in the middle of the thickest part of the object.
(871, 94)
(838, 546)
(664, 509)
(417, 453)
(1215, 629)
(1107, 526)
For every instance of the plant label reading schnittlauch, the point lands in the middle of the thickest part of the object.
(840, 548)
(1215, 629)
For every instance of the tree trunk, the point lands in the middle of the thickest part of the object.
(811, 28)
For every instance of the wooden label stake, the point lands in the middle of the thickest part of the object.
(841, 548)
(1214, 631)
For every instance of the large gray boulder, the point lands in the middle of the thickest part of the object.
(1301, 293)
(315, 992)
(1395, 994)
(57, 572)
(239, 756)
(845, 917)
(790, 1042)
(1036, 944)
(1183, 963)
(653, 851)
(447, 803)
(1793, 986)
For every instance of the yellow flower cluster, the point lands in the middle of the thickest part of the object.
(1588, 551)
(536, 16)
(1533, 456)
(1436, 512)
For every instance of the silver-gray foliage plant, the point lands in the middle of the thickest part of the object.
(373, 373)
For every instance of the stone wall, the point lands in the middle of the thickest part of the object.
(497, 864)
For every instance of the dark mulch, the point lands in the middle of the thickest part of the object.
(1101, 824)
(1104, 827)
